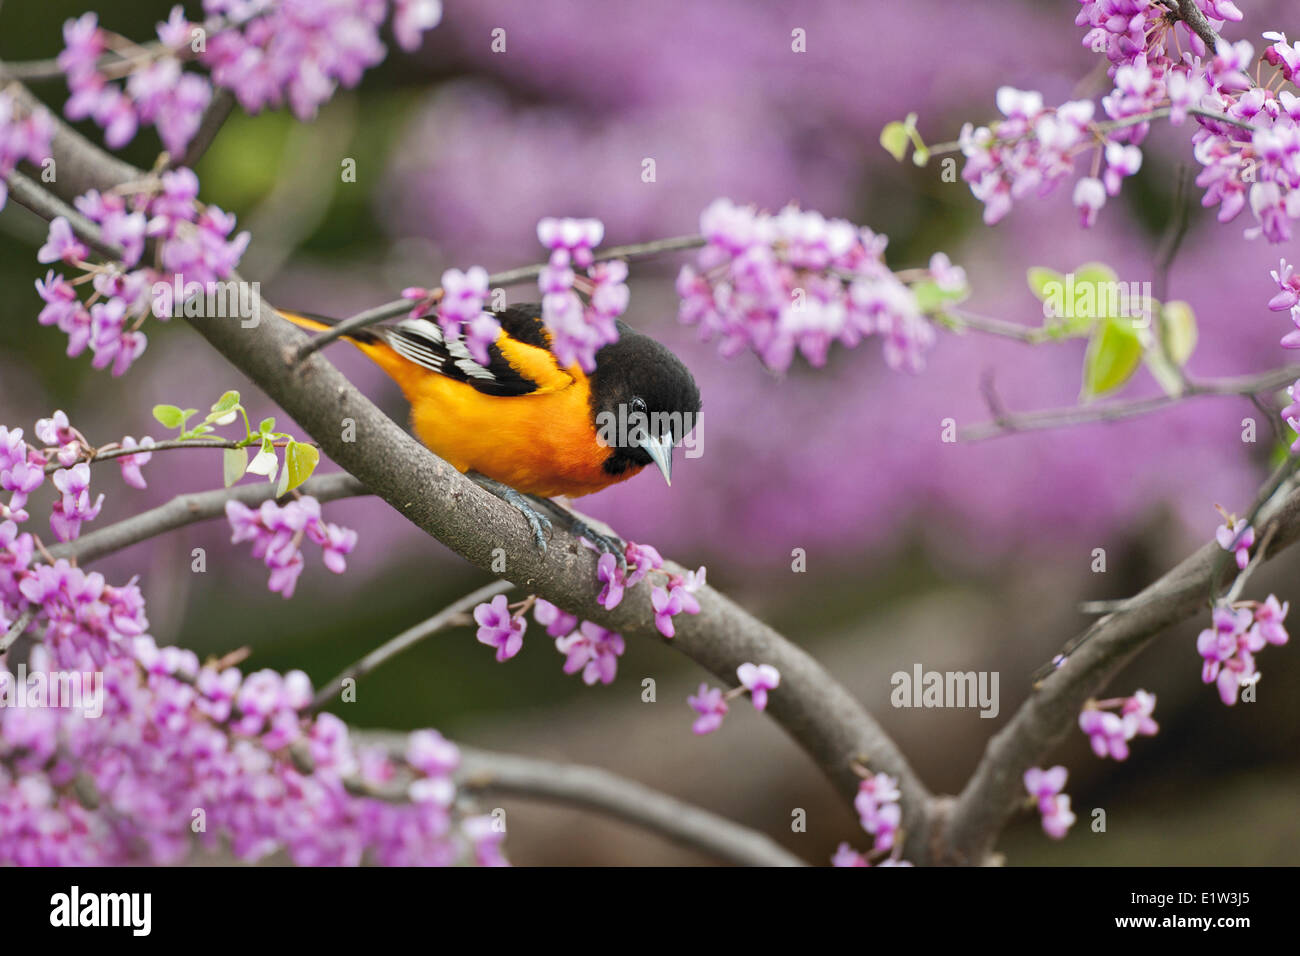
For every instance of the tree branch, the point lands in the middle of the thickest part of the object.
(487, 771)
(447, 617)
(171, 444)
(187, 509)
(1190, 13)
(996, 790)
(216, 114)
(398, 307)
(616, 796)
(1246, 385)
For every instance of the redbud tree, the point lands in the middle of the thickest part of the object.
(119, 746)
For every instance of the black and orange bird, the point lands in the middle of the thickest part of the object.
(523, 426)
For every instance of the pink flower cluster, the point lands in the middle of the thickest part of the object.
(460, 309)
(846, 856)
(1252, 160)
(798, 282)
(194, 245)
(586, 646)
(499, 628)
(710, 703)
(266, 53)
(1137, 31)
(157, 90)
(1109, 732)
(277, 532)
(878, 809)
(22, 471)
(1045, 788)
(579, 329)
(1237, 633)
(299, 51)
(27, 137)
(1032, 150)
(160, 752)
(1237, 537)
(676, 596)
(881, 816)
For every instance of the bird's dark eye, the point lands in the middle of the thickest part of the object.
(638, 404)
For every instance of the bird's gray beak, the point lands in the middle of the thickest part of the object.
(660, 451)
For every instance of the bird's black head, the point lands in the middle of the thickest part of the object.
(643, 400)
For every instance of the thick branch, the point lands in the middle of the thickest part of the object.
(624, 799)
(996, 790)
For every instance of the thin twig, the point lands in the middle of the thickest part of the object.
(961, 319)
(1107, 126)
(27, 192)
(1175, 233)
(187, 509)
(169, 445)
(398, 307)
(1239, 585)
(447, 617)
(1191, 14)
(1115, 411)
(218, 110)
(16, 629)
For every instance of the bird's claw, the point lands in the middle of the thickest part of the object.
(604, 543)
(538, 523)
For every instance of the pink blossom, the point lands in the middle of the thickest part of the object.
(758, 679)
(499, 628)
(711, 705)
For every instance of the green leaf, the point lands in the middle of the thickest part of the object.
(300, 460)
(1095, 272)
(226, 402)
(1039, 280)
(283, 485)
(931, 298)
(1074, 303)
(169, 416)
(266, 426)
(1114, 353)
(233, 463)
(1180, 331)
(894, 138)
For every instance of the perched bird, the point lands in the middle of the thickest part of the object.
(524, 427)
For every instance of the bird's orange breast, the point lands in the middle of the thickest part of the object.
(541, 444)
